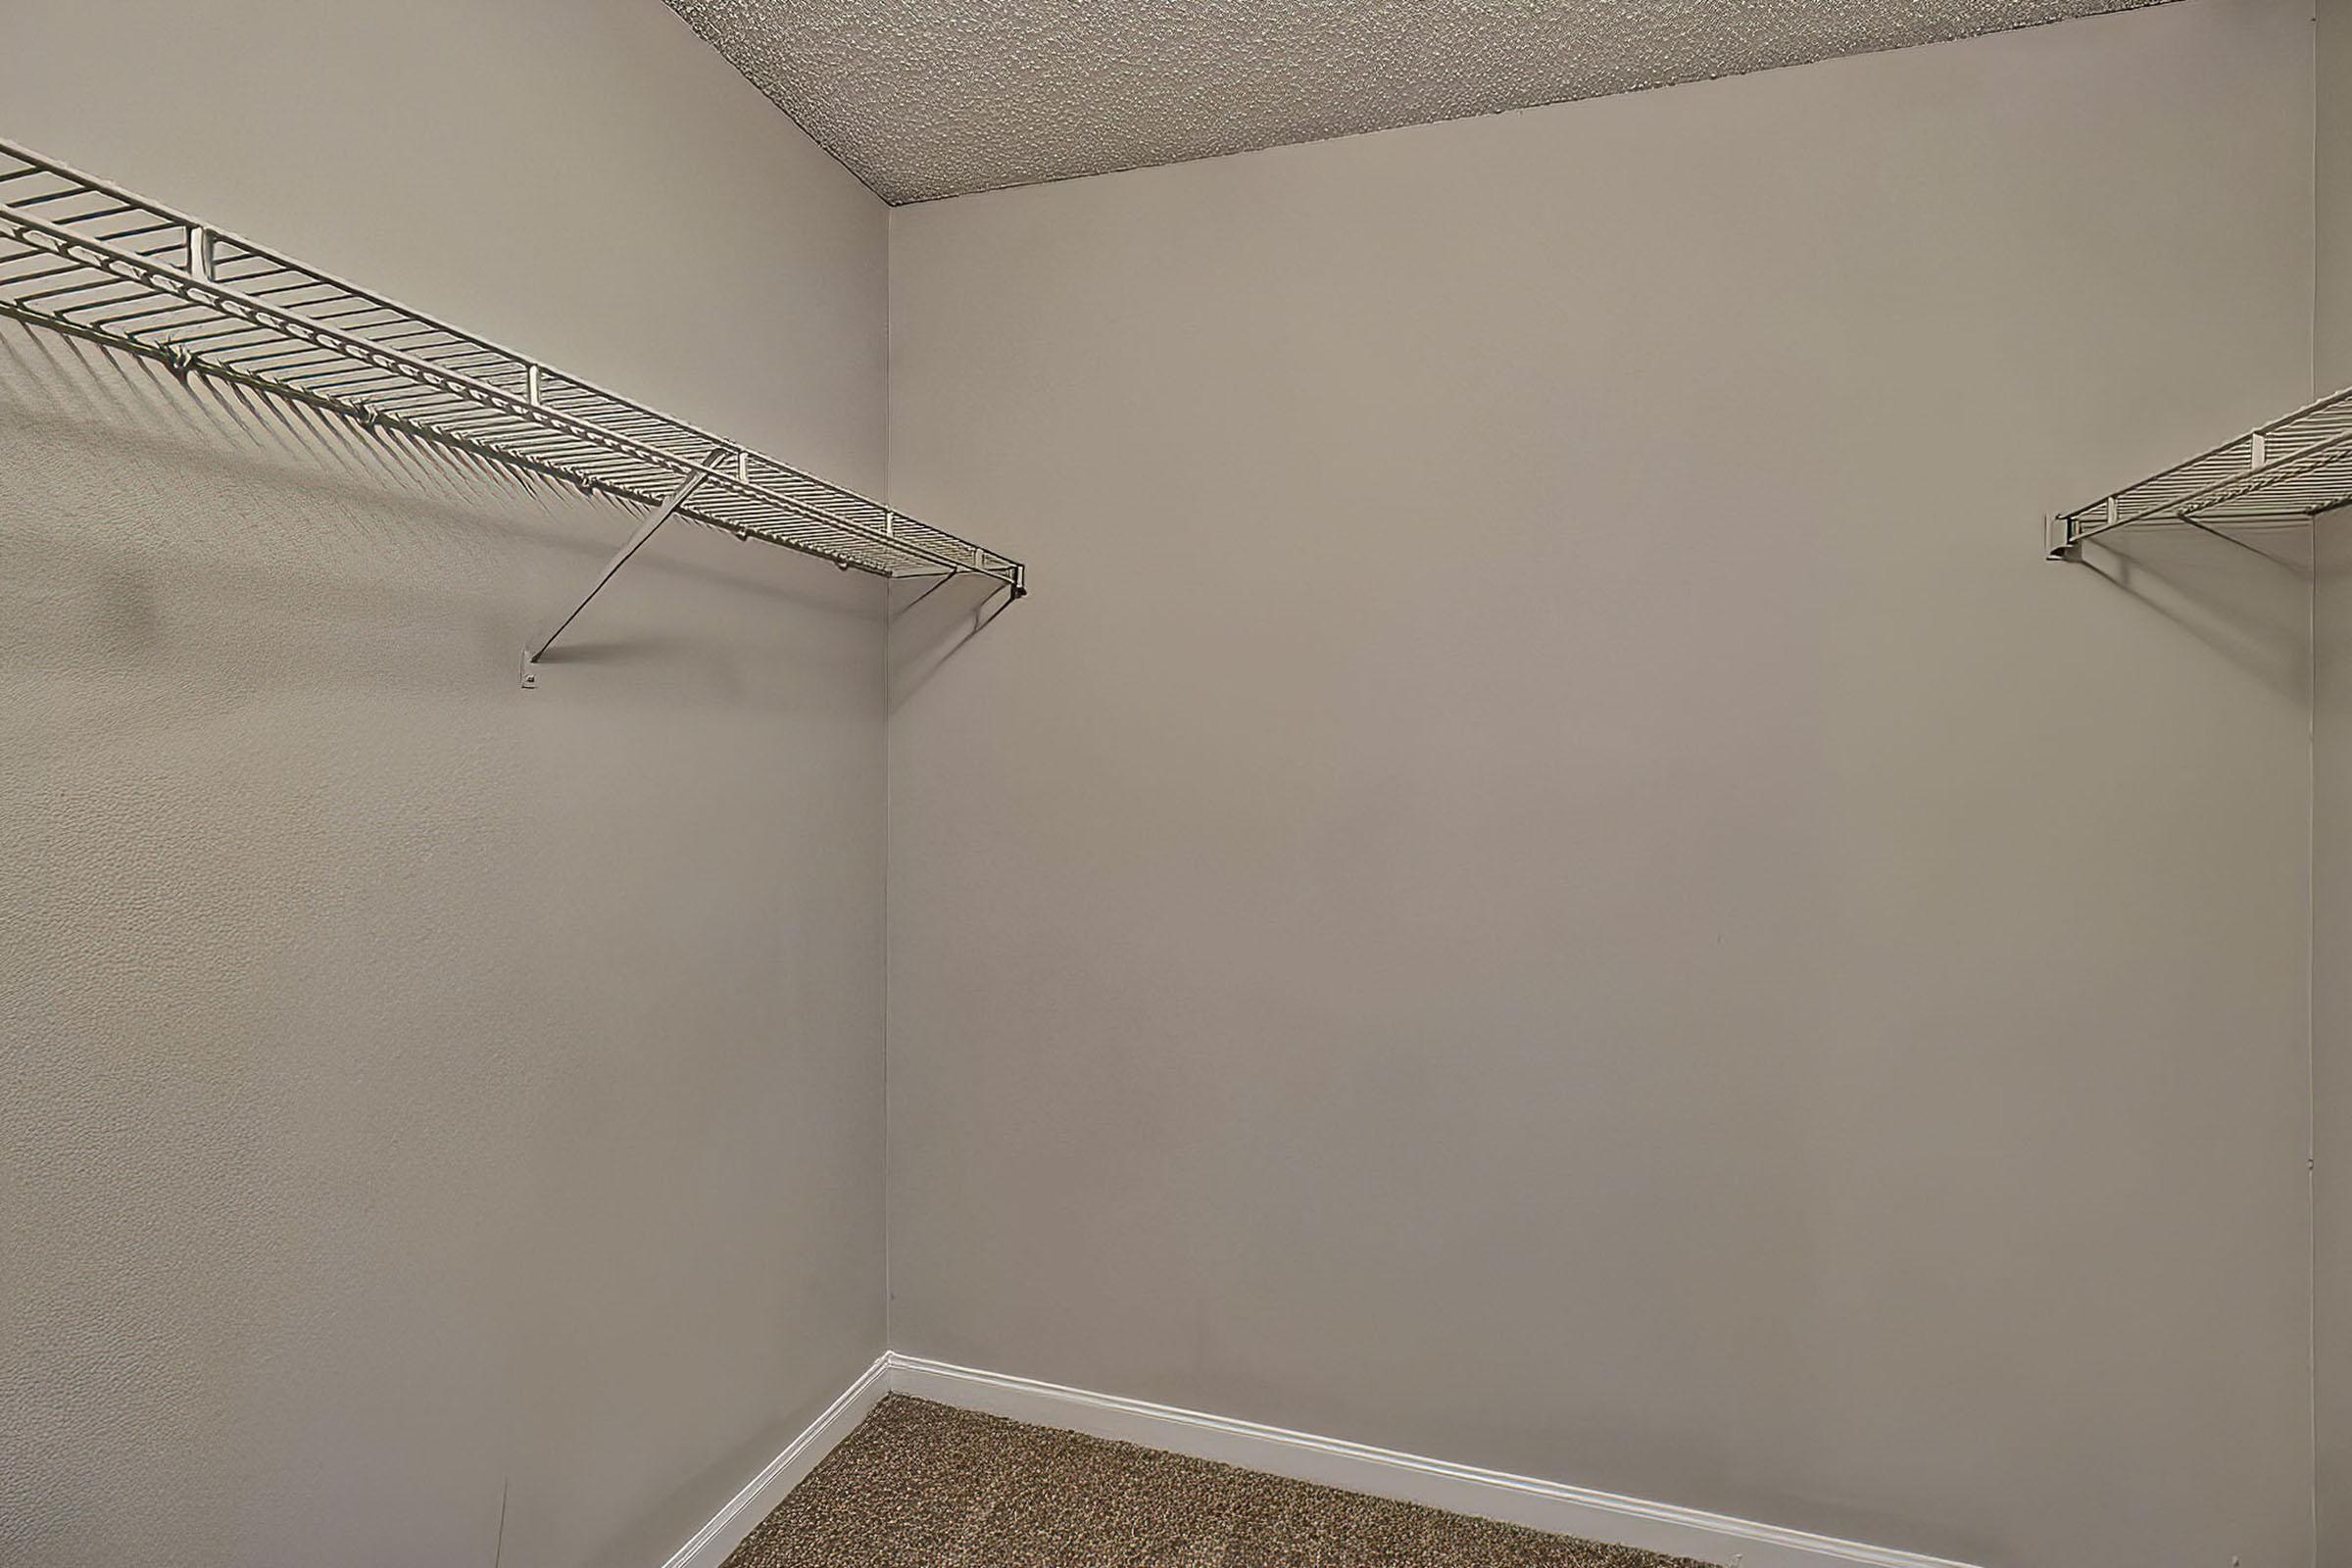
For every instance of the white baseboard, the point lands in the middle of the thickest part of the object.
(727, 1527)
(1547, 1505)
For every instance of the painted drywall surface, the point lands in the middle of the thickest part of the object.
(2331, 818)
(2332, 360)
(410, 1088)
(2331, 1033)
(1547, 879)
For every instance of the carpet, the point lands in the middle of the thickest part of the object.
(920, 1485)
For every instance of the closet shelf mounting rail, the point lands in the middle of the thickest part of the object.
(2288, 470)
(94, 259)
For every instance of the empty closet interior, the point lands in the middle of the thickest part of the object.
(1082, 784)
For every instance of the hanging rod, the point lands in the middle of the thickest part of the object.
(80, 256)
(2288, 470)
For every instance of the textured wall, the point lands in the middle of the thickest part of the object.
(2332, 1032)
(1548, 879)
(412, 1088)
(2332, 360)
(2332, 818)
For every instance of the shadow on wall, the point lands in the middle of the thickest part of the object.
(129, 487)
(2223, 586)
(930, 619)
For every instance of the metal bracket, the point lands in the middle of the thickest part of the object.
(2058, 537)
(662, 515)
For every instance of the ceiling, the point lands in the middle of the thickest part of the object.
(928, 98)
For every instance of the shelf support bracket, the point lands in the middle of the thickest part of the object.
(662, 515)
(2058, 537)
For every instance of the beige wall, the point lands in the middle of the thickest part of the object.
(2332, 365)
(410, 1086)
(1547, 878)
(2332, 843)
(2331, 1036)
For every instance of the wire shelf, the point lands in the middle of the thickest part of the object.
(87, 258)
(2288, 470)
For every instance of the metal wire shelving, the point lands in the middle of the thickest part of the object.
(2288, 470)
(88, 258)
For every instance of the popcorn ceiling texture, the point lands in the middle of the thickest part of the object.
(929, 98)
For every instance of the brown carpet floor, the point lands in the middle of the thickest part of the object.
(922, 1486)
